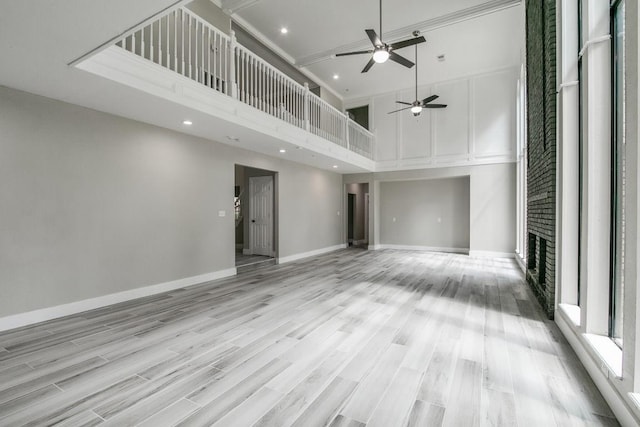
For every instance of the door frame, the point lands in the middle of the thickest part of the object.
(366, 218)
(242, 178)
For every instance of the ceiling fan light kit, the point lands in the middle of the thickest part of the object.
(382, 51)
(381, 55)
(417, 106)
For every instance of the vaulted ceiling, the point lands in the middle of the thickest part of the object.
(473, 35)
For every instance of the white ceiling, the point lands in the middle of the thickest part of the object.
(39, 38)
(474, 36)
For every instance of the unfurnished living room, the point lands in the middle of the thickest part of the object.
(319, 213)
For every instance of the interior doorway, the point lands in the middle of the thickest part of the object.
(357, 215)
(351, 214)
(255, 217)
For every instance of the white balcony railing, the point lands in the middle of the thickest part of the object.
(188, 45)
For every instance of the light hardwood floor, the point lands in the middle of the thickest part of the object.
(351, 338)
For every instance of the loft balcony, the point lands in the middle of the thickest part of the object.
(179, 57)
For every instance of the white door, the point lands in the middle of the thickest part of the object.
(261, 215)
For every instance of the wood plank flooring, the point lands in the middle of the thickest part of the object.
(352, 338)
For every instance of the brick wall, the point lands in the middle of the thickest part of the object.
(541, 150)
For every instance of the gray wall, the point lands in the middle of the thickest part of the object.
(92, 204)
(212, 14)
(332, 99)
(492, 202)
(257, 47)
(432, 213)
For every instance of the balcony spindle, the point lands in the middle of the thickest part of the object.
(190, 75)
(306, 107)
(210, 54)
(183, 42)
(151, 46)
(218, 62)
(168, 43)
(175, 40)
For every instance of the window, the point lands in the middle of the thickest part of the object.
(617, 172)
(580, 149)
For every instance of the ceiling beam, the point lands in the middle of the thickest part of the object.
(486, 8)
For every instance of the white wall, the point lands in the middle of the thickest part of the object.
(427, 213)
(92, 204)
(478, 126)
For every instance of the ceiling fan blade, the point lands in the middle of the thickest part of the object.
(434, 106)
(404, 103)
(368, 66)
(400, 59)
(408, 42)
(373, 36)
(402, 109)
(359, 52)
(428, 99)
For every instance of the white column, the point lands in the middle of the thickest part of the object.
(594, 292)
(568, 154)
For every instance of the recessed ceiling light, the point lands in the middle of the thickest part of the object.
(284, 30)
(336, 77)
(187, 122)
(335, 166)
(282, 150)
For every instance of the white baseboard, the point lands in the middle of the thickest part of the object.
(620, 408)
(491, 254)
(424, 248)
(520, 262)
(43, 314)
(321, 251)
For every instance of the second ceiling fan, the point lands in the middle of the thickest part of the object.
(382, 51)
(417, 105)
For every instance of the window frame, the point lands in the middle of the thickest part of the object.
(615, 237)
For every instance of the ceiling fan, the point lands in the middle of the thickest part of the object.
(382, 51)
(417, 106)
